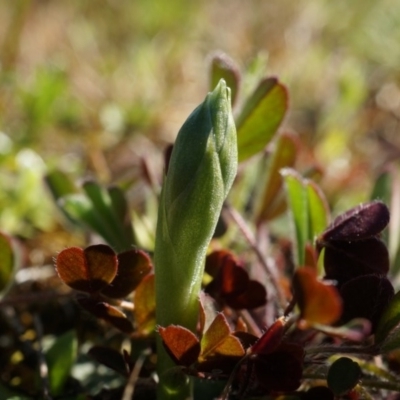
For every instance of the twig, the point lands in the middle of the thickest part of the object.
(134, 376)
(43, 369)
(247, 317)
(269, 269)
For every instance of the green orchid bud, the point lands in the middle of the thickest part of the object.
(201, 171)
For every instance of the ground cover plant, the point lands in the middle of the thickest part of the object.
(219, 306)
(255, 255)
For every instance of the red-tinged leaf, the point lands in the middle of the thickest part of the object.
(241, 325)
(182, 345)
(89, 270)
(359, 223)
(283, 156)
(223, 67)
(261, 117)
(216, 260)
(247, 339)
(133, 265)
(366, 296)
(254, 296)
(231, 346)
(215, 334)
(343, 375)
(207, 312)
(108, 313)
(319, 303)
(233, 279)
(281, 370)
(145, 305)
(110, 358)
(347, 260)
(231, 285)
(311, 257)
(271, 339)
(218, 340)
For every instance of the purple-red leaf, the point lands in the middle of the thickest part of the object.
(219, 340)
(344, 261)
(108, 313)
(232, 285)
(145, 305)
(367, 297)
(181, 344)
(358, 223)
(89, 270)
(271, 339)
(280, 370)
(133, 265)
(319, 303)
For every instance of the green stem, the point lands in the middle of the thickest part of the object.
(201, 171)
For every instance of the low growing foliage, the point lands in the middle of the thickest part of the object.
(248, 311)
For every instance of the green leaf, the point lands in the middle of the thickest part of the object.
(386, 335)
(7, 261)
(7, 393)
(60, 357)
(343, 375)
(80, 209)
(298, 206)
(261, 116)
(59, 184)
(104, 207)
(382, 189)
(284, 155)
(318, 210)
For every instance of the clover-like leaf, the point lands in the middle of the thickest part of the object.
(181, 344)
(108, 313)
(219, 340)
(232, 285)
(346, 260)
(280, 370)
(89, 270)
(359, 223)
(271, 338)
(343, 375)
(145, 305)
(133, 265)
(366, 296)
(318, 302)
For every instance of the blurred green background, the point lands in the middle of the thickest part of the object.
(92, 87)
